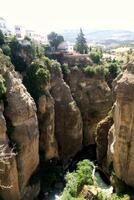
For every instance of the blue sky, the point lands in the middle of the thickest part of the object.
(48, 15)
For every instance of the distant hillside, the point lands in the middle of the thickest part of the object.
(101, 36)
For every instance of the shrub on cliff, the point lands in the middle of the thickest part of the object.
(38, 77)
(98, 71)
(6, 49)
(95, 57)
(114, 69)
(55, 68)
(22, 54)
(65, 69)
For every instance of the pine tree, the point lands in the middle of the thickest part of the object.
(81, 44)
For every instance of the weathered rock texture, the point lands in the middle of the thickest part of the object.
(9, 188)
(46, 116)
(121, 135)
(94, 99)
(102, 138)
(20, 110)
(68, 122)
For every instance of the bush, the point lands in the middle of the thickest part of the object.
(114, 69)
(103, 196)
(99, 71)
(55, 68)
(42, 76)
(84, 173)
(95, 56)
(90, 71)
(38, 77)
(65, 69)
(2, 87)
(6, 50)
(77, 179)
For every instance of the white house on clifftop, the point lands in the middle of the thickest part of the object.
(66, 47)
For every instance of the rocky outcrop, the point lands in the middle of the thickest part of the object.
(20, 111)
(79, 60)
(94, 99)
(9, 188)
(46, 116)
(121, 134)
(102, 138)
(68, 122)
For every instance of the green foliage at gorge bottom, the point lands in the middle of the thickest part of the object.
(77, 179)
(83, 175)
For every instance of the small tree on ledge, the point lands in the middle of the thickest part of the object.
(81, 44)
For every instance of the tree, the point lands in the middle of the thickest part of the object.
(95, 56)
(54, 40)
(2, 39)
(81, 44)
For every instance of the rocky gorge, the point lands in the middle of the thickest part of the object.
(67, 115)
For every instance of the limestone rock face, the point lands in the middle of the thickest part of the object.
(68, 122)
(46, 116)
(94, 99)
(9, 188)
(20, 111)
(121, 136)
(102, 138)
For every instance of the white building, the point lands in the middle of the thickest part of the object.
(36, 36)
(20, 32)
(30, 34)
(66, 47)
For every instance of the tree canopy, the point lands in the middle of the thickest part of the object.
(54, 40)
(81, 44)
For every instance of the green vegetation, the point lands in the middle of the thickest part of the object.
(65, 69)
(77, 179)
(106, 70)
(2, 87)
(21, 55)
(95, 57)
(38, 77)
(81, 44)
(55, 68)
(6, 50)
(98, 71)
(103, 196)
(54, 40)
(114, 69)
(2, 38)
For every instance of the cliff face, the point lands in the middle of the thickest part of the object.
(94, 99)
(46, 117)
(68, 122)
(121, 135)
(23, 132)
(9, 187)
(102, 138)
